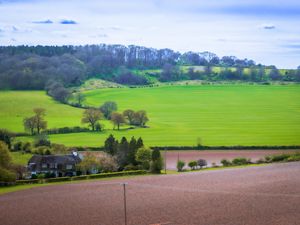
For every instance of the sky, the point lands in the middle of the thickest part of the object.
(266, 31)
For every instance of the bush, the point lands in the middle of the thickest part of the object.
(131, 167)
(241, 161)
(42, 140)
(31, 181)
(57, 179)
(192, 164)
(17, 146)
(156, 164)
(226, 162)
(293, 158)
(260, 161)
(82, 177)
(180, 165)
(7, 175)
(201, 163)
(279, 158)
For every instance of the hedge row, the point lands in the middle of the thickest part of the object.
(236, 147)
(83, 177)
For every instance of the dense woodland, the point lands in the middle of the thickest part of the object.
(37, 67)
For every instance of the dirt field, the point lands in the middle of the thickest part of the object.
(216, 155)
(268, 195)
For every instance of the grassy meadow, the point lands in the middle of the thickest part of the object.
(15, 105)
(179, 115)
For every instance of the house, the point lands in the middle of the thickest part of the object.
(59, 165)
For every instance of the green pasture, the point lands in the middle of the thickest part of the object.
(182, 115)
(15, 105)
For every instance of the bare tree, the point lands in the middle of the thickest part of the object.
(117, 119)
(129, 115)
(91, 116)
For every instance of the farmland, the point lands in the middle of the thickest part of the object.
(180, 115)
(254, 195)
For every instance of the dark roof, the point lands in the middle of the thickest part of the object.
(59, 159)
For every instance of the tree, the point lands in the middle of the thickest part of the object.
(144, 156)
(89, 164)
(201, 163)
(132, 151)
(180, 165)
(140, 118)
(129, 115)
(157, 161)
(139, 143)
(5, 156)
(40, 122)
(41, 140)
(117, 119)
(111, 145)
(91, 116)
(192, 164)
(107, 108)
(122, 154)
(5, 136)
(107, 163)
(79, 98)
(29, 124)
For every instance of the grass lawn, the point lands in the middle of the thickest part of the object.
(218, 114)
(179, 114)
(15, 105)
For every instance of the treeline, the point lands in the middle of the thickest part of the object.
(37, 67)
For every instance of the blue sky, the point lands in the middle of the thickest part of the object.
(266, 31)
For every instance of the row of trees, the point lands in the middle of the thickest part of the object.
(34, 67)
(133, 154)
(257, 73)
(92, 116)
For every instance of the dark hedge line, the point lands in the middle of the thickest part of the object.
(82, 177)
(237, 147)
(66, 130)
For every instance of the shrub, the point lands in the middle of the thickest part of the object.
(82, 177)
(260, 161)
(213, 164)
(226, 162)
(279, 158)
(180, 165)
(192, 164)
(201, 163)
(42, 140)
(17, 146)
(143, 156)
(268, 159)
(130, 167)
(241, 161)
(7, 176)
(157, 161)
(6, 136)
(30, 181)
(293, 158)
(58, 179)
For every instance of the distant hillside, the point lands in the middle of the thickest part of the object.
(35, 67)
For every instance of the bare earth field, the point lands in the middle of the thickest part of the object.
(268, 195)
(217, 155)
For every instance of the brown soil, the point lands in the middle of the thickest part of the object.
(265, 195)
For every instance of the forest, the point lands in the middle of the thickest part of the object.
(37, 67)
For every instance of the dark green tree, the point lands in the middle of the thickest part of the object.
(111, 145)
(122, 153)
(132, 151)
(5, 136)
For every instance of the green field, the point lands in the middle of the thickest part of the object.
(15, 105)
(179, 115)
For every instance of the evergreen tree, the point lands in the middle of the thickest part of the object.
(157, 162)
(132, 151)
(139, 143)
(111, 145)
(122, 154)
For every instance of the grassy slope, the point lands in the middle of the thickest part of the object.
(220, 115)
(15, 105)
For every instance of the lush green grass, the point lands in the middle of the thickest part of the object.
(20, 158)
(179, 115)
(15, 105)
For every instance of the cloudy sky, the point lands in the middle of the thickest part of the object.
(266, 31)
